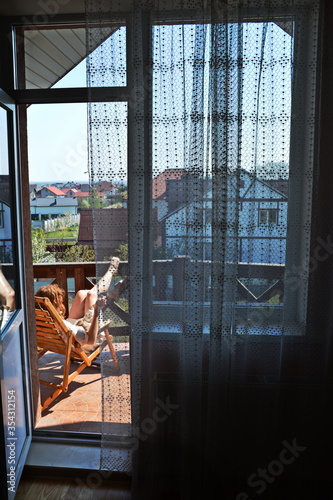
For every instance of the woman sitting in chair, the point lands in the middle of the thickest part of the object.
(83, 314)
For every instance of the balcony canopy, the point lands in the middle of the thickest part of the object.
(52, 52)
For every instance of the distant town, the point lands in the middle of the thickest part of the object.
(68, 219)
(98, 213)
(62, 213)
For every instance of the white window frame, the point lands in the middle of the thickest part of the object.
(265, 216)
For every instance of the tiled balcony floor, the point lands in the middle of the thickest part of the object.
(80, 409)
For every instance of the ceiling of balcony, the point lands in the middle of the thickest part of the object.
(51, 53)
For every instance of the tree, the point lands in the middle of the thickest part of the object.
(77, 253)
(94, 200)
(39, 253)
(122, 251)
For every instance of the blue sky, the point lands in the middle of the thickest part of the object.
(57, 136)
(57, 133)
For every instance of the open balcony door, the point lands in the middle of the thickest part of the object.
(15, 408)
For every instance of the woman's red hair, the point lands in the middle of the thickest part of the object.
(56, 296)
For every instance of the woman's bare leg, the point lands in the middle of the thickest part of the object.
(104, 283)
(84, 299)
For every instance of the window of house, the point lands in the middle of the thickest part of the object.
(268, 216)
(1, 218)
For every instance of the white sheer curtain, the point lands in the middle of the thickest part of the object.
(219, 160)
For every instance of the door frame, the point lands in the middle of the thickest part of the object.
(14, 449)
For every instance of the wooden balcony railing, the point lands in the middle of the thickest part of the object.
(256, 282)
(83, 273)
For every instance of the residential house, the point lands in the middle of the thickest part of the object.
(80, 194)
(164, 199)
(46, 191)
(70, 192)
(85, 188)
(77, 194)
(107, 188)
(262, 222)
(42, 209)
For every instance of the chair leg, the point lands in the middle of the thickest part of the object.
(112, 349)
(50, 399)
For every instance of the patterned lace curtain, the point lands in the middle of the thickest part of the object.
(108, 174)
(203, 114)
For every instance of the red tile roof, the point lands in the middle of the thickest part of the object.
(66, 190)
(81, 194)
(54, 190)
(160, 181)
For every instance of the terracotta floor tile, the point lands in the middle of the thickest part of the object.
(80, 409)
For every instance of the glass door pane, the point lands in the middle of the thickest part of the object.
(7, 286)
(14, 364)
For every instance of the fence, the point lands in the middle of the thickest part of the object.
(60, 222)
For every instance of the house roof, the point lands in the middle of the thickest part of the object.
(4, 202)
(53, 190)
(281, 185)
(81, 194)
(160, 181)
(52, 201)
(66, 190)
(105, 186)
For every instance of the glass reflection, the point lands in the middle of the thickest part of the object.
(7, 294)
